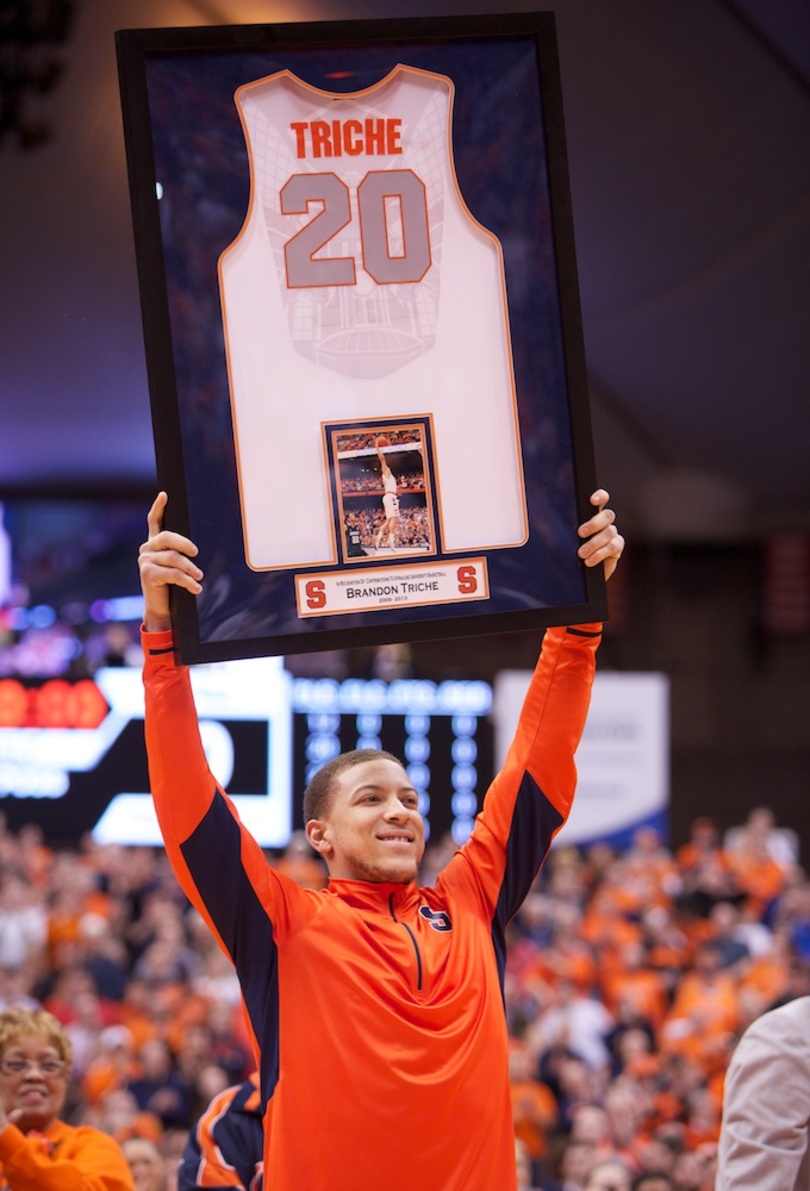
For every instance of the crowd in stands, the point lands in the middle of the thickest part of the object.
(369, 442)
(61, 648)
(413, 526)
(407, 481)
(630, 976)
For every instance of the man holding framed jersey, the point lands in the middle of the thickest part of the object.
(376, 1004)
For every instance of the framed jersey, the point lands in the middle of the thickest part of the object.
(362, 327)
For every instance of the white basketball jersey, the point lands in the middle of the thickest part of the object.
(359, 288)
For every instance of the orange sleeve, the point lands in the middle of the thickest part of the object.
(221, 868)
(185, 793)
(531, 797)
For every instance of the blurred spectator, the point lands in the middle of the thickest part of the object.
(632, 1040)
(724, 922)
(136, 1011)
(120, 646)
(646, 872)
(590, 1123)
(301, 863)
(577, 1021)
(103, 956)
(632, 988)
(84, 1028)
(668, 943)
(765, 1137)
(111, 1065)
(167, 958)
(609, 1174)
(228, 1040)
(652, 1180)
(171, 1146)
(750, 930)
(534, 1108)
(146, 1162)
(117, 1112)
(37, 1148)
(14, 985)
(705, 1011)
(572, 1082)
(656, 1155)
(34, 857)
(392, 662)
(695, 1170)
(627, 1106)
(793, 914)
(225, 1147)
(706, 872)
(525, 1177)
(159, 1088)
(566, 878)
(564, 957)
(781, 844)
(759, 877)
(23, 921)
(576, 1160)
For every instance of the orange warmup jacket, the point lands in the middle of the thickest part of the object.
(377, 1010)
(62, 1158)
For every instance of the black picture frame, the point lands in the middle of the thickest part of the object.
(280, 388)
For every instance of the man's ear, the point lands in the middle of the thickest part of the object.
(316, 832)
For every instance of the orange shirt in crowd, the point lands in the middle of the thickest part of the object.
(642, 991)
(571, 962)
(705, 1014)
(534, 1110)
(62, 1157)
(758, 876)
(767, 976)
(605, 926)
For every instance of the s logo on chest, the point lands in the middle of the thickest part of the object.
(437, 918)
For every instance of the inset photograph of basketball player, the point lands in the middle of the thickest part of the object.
(385, 500)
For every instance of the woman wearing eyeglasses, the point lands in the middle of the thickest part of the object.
(38, 1152)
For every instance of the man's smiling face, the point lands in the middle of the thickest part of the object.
(373, 830)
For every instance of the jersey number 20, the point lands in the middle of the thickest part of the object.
(375, 195)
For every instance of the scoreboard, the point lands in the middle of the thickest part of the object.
(72, 755)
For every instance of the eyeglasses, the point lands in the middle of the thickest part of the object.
(48, 1066)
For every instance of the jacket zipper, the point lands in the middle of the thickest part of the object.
(412, 937)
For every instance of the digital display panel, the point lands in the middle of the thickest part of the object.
(72, 756)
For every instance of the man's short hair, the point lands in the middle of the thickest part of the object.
(318, 794)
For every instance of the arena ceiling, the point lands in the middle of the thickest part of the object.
(688, 127)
